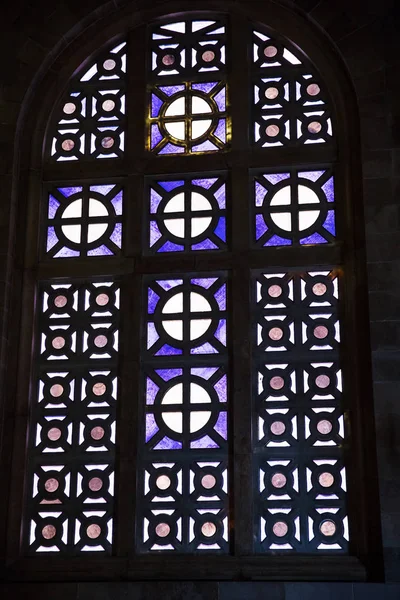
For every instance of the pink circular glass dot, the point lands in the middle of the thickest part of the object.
(60, 301)
(277, 382)
(277, 427)
(275, 334)
(327, 528)
(272, 130)
(163, 529)
(95, 484)
(275, 291)
(56, 390)
(326, 480)
(324, 426)
(314, 127)
(97, 433)
(270, 51)
(313, 89)
(208, 481)
(69, 108)
(319, 289)
(163, 482)
(100, 341)
(107, 142)
(102, 299)
(51, 485)
(168, 60)
(68, 145)
(280, 529)
(208, 56)
(99, 389)
(321, 332)
(322, 381)
(278, 480)
(93, 531)
(109, 64)
(58, 342)
(54, 434)
(108, 105)
(208, 529)
(271, 93)
(48, 532)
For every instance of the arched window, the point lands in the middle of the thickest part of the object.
(196, 365)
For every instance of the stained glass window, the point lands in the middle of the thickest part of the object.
(188, 348)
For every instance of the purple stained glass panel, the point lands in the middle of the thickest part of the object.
(220, 131)
(155, 200)
(311, 175)
(53, 206)
(204, 442)
(206, 146)
(221, 389)
(171, 247)
(198, 222)
(220, 99)
(172, 149)
(261, 227)
(206, 245)
(314, 238)
(168, 374)
(84, 221)
(276, 240)
(330, 222)
(155, 233)
(102, 189)
(204, 183)
(168, 444)
(221, 425)
(170, 90)
(151, 391)
(100, 251)
(170, 185)
(156, 135)
(70, 191)
(284, 199)
(328, 189)
(153, 298)
(206, 87)
(151, 427)
(276, 177)
(156, 104)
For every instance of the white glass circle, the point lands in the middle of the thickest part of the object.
(199, 127)
(176, 108)
(72, 233)
(176, 129)
(199, 105)
(198, 419)
(73, 210)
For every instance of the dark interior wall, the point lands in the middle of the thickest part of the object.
(366, 34)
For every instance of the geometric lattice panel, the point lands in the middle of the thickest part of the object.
(183, 470)
(298, 421)
(297, 207)
(186, 316)
(84, 221)
(91, 117)
(72, 439)
(187, 47)
(289, 103)
(187, 214)
(187, 116)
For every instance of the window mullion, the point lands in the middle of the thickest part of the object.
(240, 299)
